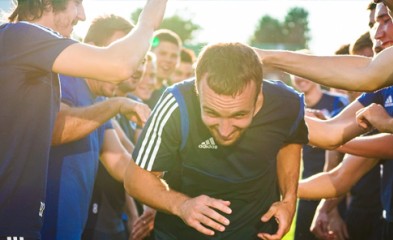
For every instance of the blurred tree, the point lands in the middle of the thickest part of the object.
(185, 28)
(269, 30)
(135, 15)
(292, 33)
(296, 27)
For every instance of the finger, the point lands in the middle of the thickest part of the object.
(268, 215)
(140, 232)
(148, 217)
(202, 229)
(282, 228)
(209, 215)
(363, 123)
(324, 227)
(331, 235)
(318, 230)
(138, 223)
(268, 236)
(221, 205)
(207, 221)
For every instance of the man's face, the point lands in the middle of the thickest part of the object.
(302, 84)
(131, 83)
(168, 56)
(108, 89)
(382, 31)
(64, 21)
(182, 72)
(226, 117)
(146, 86)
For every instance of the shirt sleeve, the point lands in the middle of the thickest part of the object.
(367, 98)
(299, 131)
(42, 47)
(158, 146)
(68, 93)
(339, 104)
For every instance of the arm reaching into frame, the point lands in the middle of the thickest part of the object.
(354, 73)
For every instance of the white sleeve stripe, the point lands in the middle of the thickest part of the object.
(159, 134)
(50, 31)
(158, 108)
(155, 133)
(151, 132)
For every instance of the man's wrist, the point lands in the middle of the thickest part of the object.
(390, 126)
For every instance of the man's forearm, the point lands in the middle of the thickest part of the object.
(74, 123)
(317, 186)
(375, 146)
(288, 165)
(157, 195)
(344, 72)
(332, 133)
(337, 181)
(114, 156)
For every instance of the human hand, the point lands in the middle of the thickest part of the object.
(283, 213)
(337, 226)
(315, 113)
(135, 111)
(375, 116)
(320, 223)
(201, 212)
(143, 226)
(153, 13)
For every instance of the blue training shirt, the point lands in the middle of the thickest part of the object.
(72, 170)
(383, 97)
(29, 98)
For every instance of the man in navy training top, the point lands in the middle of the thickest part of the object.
(31, 56)
(82, 135)
(228, 150)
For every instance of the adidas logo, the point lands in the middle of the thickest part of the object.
(208, 144)
(389, 102)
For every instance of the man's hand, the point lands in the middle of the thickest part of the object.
(375, 116)
(135, 111)
(328, 224)
(315, 113)
(320, 223)
(200, 213)
(337, 226)
(143, 226)
(283, 213)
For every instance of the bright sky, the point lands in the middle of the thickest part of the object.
(332, 22)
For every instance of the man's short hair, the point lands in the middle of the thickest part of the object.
(364, 41)
(187, 55)
(29, 10)
(166, 35)
(230, 67)
(342, 50)
(103, 27)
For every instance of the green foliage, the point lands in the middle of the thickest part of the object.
(185, 28)
(292, 33)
